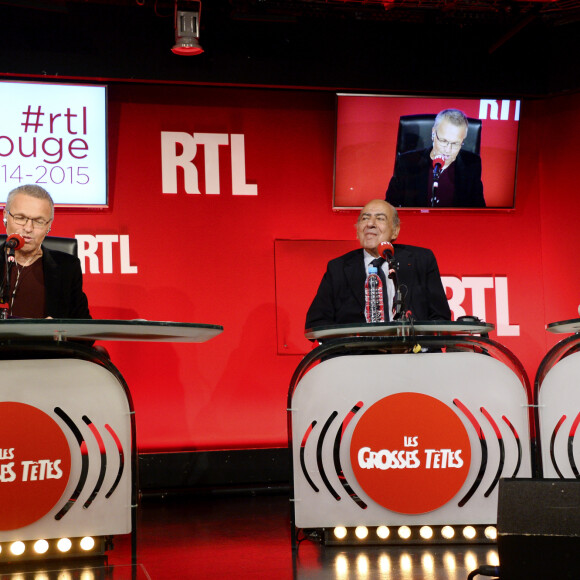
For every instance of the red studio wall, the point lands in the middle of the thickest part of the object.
(249, 249)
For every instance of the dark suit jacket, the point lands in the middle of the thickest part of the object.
(340, 297)
(63, 284)
(409, 186)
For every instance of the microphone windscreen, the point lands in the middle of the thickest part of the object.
(386, 250)
(439, 160)
(15, 241)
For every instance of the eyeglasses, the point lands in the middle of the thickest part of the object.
(445, 143)
(22, 220)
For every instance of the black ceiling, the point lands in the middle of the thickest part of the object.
(486, 48)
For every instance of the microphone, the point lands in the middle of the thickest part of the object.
(14, 241)
(438, 164)
(386, 250)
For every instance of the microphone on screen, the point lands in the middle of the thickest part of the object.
(14, 242)
(438, 164)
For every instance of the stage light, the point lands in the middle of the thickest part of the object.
(383, 532)
(361, 532)
(491, 533)
(49, 548)
(426, 532)
(340, 532)
(40, 546)
(447, 532)
(17, 548)
(64, 544)
(404, 532)
(187, 14)
(87, 543)
(469, 532)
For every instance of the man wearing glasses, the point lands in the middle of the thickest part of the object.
(43, 283)
(443, 176)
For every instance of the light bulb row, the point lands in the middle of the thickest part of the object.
(406, 534)
(38, 548)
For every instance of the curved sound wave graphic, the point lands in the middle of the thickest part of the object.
(319, 458)
(86, 461)
(484, 449)
(335, 455)
(483, 444)
(319, 438)
(553, 445)
(569, 445)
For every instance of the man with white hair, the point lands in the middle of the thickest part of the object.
(341, 295)
(43, 283)
(458, 182)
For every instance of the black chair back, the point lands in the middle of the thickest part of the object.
(415, 133)
(66, 245)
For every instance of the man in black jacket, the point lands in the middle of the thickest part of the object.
(341, 295)
(43, 283)
(458, 180)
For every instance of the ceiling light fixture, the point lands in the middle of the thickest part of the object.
(187, 28)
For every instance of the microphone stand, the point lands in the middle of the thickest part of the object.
(5, 290)
(436, 175)
(399, 310)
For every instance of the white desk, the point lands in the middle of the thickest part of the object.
(67, 426)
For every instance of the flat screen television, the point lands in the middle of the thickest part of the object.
(373, 130)
(55, 136)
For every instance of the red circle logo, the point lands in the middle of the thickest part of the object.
(35, 464)
(410, 453)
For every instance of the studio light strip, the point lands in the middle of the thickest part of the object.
(404, 535)
(42, 549)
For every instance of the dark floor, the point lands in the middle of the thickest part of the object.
(248, 537)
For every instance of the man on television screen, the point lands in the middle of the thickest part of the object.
(442, 176)
(42, 283)
(341, 295)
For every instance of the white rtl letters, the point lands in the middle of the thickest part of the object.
(492, 106)
(171, 160)
(89, 247)
(178, 150)
(478, 287)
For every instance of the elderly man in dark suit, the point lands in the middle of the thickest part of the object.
(43, 283)
(341, 295)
